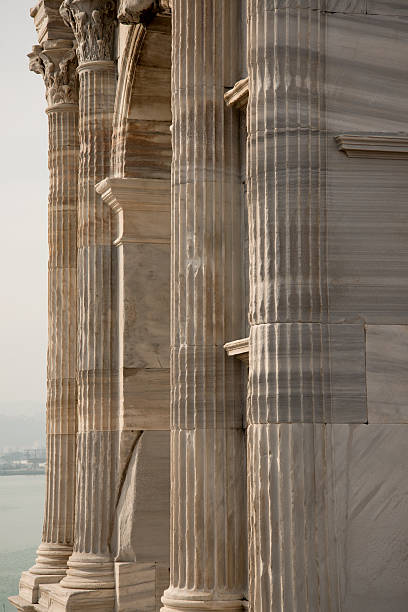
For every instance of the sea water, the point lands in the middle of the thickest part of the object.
(21, 515)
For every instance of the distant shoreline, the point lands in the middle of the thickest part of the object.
(22, 472)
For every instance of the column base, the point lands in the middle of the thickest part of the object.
(52, 560)
(29, 586)
(22, 605)
(61, 599)
(88, 571)
(180, 601)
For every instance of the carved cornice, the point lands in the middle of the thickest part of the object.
(238, 95)
(139, 205)
(142, 11)
(56, 61)
(93, 24)
(239, 349)
(379, 146)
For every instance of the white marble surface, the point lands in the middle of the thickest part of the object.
(347, 6)
(347, 373)
(387, 373)
(387, 7)
(143, 511)
(371, 493)
(368, 238)
(367, 72)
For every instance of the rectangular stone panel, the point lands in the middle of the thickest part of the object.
(137, 586)
(387, 373)
(387, 7)
(347, 6)
(366, 71)
(371, 499)
(146, 316)
(367, 239)
(347, 373)
(146, 399)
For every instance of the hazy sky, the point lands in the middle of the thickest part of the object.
(23, 213)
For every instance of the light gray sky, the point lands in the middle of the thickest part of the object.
(23, 213)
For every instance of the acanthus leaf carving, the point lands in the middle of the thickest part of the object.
(93, 24)
(56, 62)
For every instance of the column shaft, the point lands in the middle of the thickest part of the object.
(288, 390)
(58, 530)
(207, 440)
(91, 565)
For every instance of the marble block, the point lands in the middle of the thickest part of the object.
(371, 496)
(368, 239)
(387, 7)
(347, 373)
(387, 373)
(139, 586)
(347, 6)
(366, 75)
(143, 510)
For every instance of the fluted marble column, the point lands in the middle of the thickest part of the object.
(55, 60)
(289, 391)
(91, 564)
(208, 542)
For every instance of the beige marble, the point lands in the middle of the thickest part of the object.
(387, 373)
(207, 442)
(91, 564)
(289, 383)
(235, 230)
(54, 59)
(371, 508)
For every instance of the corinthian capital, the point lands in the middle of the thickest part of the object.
(56, 61)
(93, 23)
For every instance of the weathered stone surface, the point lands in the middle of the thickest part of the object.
(366, 197)
(256, 211)
(366, 75)
(93, 24)
(387, 373)
(207, 495)
(290, 544)
(142, 513)
(348, 374)
(91, 565)
(387, 7)
(347, 6)
(135, 11)
(55, 60)
(140, 586)
(48, 22)
(371, 508)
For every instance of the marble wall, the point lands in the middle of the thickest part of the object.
(367, 81)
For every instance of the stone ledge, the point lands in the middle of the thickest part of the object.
(238, 95)
(377, 146)
(239, 349)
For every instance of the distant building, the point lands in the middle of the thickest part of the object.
(227, 403)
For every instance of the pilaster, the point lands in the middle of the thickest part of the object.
(141, 237)
(207, 529)
(289, 401)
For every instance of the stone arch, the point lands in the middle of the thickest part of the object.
(141, 132)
